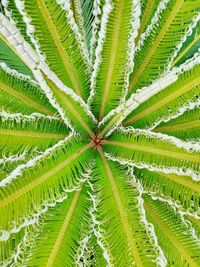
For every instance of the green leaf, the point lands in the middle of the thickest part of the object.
(124, 237)
(181, 189)
(112, 65)
(16, 17)
(189, 47)
(178, 246)
(75, 110)
(59, 43)
(186, 126)
(148, 9)
(167, 102)
(84, 17)
(39, 132)
(42, 180)
(20, 94)
(59, 232)
(160, 44)
(8, 248)
(151, 151)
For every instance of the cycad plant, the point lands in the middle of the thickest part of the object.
(99, 133)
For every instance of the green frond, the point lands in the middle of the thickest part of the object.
(42, 180)
(13, 60)
(39, 132)
(124, 238)
(18, 94)
(112, 65)
(99, 133)
(59, 232)
(148, 9)
(153, 152)
(168, 101)
(181, 189)
(189, 47)
(76, 113)
(186, 126)
(179, 247)
(59, 43)
(160, 44)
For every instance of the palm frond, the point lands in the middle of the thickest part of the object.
(189, 45)
(155, 48)
(11, 11)
(20, 94)
(166, 102)
(59, 232)
(181, 189)
(40, 181)
(156, 153)
(99, 133)
(171, 234)
(186, 126)
(74, 109)
(56, 20)
(108, 88)
(118, 214)
(11, 58)
(42, 133)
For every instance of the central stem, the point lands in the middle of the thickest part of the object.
(96, 142)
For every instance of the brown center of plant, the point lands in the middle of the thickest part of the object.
(96, 142)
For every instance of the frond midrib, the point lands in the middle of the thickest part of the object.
(123, 215)
(24, 133)
(178, 127)
(157, 151)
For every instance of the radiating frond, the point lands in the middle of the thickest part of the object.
(113, 62)
(84, 17)
(181, 189)
(74, 108)
(190, 44)
(123, 233)
(20, 94)
(59, 232)
(168, 101)
(25, 190)
(186, 126)
(11, 58)
(99, 133)
(42, 133)
(178, 246)
(60, 41)
(159, 46)
(11, 11)
(153, 152)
